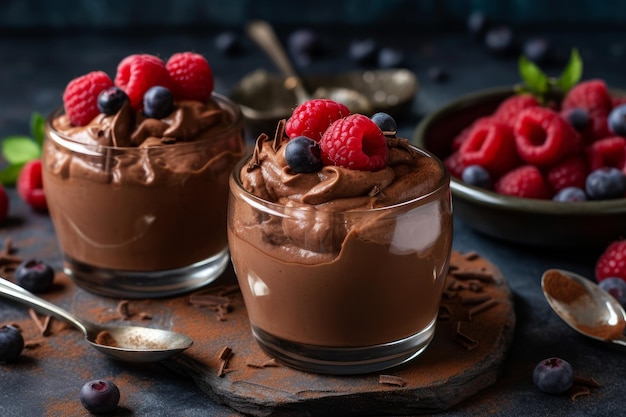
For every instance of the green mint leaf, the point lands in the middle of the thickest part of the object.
(572, 73)
(19, 149)
(532, 75)
(37, 128)
(8, 175)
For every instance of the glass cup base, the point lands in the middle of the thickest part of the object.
(146, 284)
(345, 361)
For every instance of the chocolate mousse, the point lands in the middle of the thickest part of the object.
(340, 258)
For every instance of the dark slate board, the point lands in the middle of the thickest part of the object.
(444, 375)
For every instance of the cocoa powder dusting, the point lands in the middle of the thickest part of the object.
(561, 287)
(604, 331)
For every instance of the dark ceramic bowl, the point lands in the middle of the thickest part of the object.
(541, 223)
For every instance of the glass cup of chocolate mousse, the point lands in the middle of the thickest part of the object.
(341, 269)
(139, 203)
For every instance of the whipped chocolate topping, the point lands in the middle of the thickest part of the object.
(341, 257)
(132, 193)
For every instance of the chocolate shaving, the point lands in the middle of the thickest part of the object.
(471, 255)
(474, 298)
(215, 299)
(123, 310)
(224, 357)
(374, 191)
(8, 261)
(587, 381)
(279, 135)
(482, 307)
(270, 363)
(469, 273)
(444, 312)
(464, 339)
(33, 344)
(256, 154)
(578, 390)
(106, 339)
(44, 328)
(392, 380)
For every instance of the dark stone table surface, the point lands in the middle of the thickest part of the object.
(36, 67)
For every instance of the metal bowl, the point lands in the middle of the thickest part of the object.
(538, 223)
(266, 97)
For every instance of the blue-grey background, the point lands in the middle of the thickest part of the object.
(197, 14)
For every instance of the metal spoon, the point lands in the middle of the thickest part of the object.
(593, 313)
(134, 343)
(263, 34)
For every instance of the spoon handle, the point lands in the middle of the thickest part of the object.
(263, 34)
(17, 293)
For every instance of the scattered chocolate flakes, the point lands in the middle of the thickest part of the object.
(466, 341)
(33, 344)
(270, 363)
(471, 255)
(224, 357)
(578, 390)
(482, 307)
(8, 261)
(587, 381)
(470, 273)
(279, 135)
(444, 312)
(474, 298)
(44, 327)
(215, 299)
(392, 380)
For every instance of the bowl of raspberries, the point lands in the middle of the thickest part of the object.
(541, 163)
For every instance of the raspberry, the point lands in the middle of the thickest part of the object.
(593, 96)
(354, 142)
(510, 108)
(312, 118)
(137, 73)
(543, 138)
(192, 76)
(491, 145)
(463, 135)
(525, 181)
(80, 97)
(30, 186)
(454, 164)
(612, 262)
(4, 204)
(607, 152)
(571, 172)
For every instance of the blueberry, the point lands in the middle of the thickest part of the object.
(616, 287)
(617, 120)
(112, 99)
(158, 102)
(389, 57)
(34, 275)
(477, 24)
(100, 396)
(500, 40)
(578, 118)
(385, 122)
(605, 183)
(228, 43)
(303, 155)
(363, 51)
(11, 343)
(553, 375)
(538, 50)
(570, 194)
(477, 176)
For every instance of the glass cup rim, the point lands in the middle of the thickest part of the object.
(97, 149)
(443, 183)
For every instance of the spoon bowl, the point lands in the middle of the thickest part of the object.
(125, 343)
(584, 306)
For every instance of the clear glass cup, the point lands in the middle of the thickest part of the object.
(142, 222)
(341, 292)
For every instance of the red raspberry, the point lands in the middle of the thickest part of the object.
(543, 138)
(192, 76)
(594, 97)
(464, 134)
(4, 204)
(491, 145)
(571, 172)
(454, 164)
(525, 181)
(612, 262)
(30, 185)
(312, 118)
(137, 73)
(607, 152)
(354, 142)
(510, 108)
(80, 97)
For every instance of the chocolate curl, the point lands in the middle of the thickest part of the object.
(123, 310)
(481, 307)
(392, 380)
(279, 135)
(469, 273)
(258, 146)
(224, 357)
(466, 341)
(44, 328)
(270, 363)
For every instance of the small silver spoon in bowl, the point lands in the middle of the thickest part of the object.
(584, 306)
(263, 34)
(126, 343)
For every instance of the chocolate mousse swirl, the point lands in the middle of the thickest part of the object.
(407, 175)
(191, 120)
